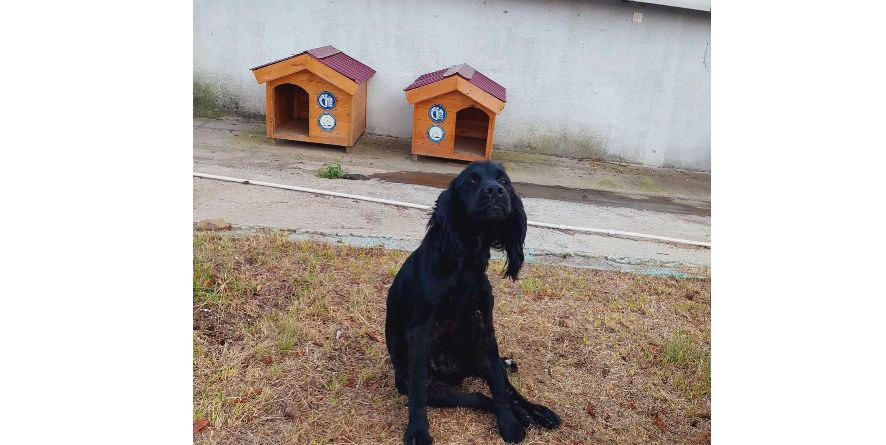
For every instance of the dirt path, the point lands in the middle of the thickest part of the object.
(622, 198)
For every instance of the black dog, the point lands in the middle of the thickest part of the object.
(439, 326)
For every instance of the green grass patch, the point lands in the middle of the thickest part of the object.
(690, 362)
(289, 331)
(679, 350)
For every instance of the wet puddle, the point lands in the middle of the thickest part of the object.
(560, 193)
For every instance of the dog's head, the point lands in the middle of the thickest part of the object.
(482, 200)
(486, 193)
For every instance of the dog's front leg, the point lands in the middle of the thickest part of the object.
(508, 427)
(418, 340)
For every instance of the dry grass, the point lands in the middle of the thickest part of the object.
(293, 326)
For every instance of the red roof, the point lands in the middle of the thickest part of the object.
(466, 72)
(335, 59)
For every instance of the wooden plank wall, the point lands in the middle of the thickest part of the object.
(358, 110)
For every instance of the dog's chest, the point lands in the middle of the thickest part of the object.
(462, 307)
(457, 315)
(458, 326)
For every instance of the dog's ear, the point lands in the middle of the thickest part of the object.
(444, 243)
(513, 236)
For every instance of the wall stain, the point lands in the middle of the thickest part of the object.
(214, 101)
(564, 143)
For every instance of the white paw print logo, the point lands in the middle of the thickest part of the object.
(326, 121)
(436, 133)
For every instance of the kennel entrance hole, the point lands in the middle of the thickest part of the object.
(290, 110)
(471, 129)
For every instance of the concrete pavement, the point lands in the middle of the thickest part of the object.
(239, 148)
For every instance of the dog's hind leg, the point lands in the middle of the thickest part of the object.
(540, 414)
(442, 395)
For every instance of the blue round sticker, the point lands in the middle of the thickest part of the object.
(326, 100)
(436, 133)
(437, 113)
(326, 121)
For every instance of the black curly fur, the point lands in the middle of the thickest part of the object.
(439, 327)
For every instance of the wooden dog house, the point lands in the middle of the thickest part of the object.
(315, 96)
(454, 114)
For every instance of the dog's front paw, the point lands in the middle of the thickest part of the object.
(523, 417)
(417, 435)
(544, 416)
(510, 430)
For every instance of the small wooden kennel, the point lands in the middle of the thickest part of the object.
(454, 114)
(315, 96)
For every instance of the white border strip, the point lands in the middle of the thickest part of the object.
(296, 188)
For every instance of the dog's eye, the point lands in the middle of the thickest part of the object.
(503, 181)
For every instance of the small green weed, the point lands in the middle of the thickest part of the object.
(332, 170)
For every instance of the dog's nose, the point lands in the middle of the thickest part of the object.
(494, 190)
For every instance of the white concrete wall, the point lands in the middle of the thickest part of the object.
(583, 78)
